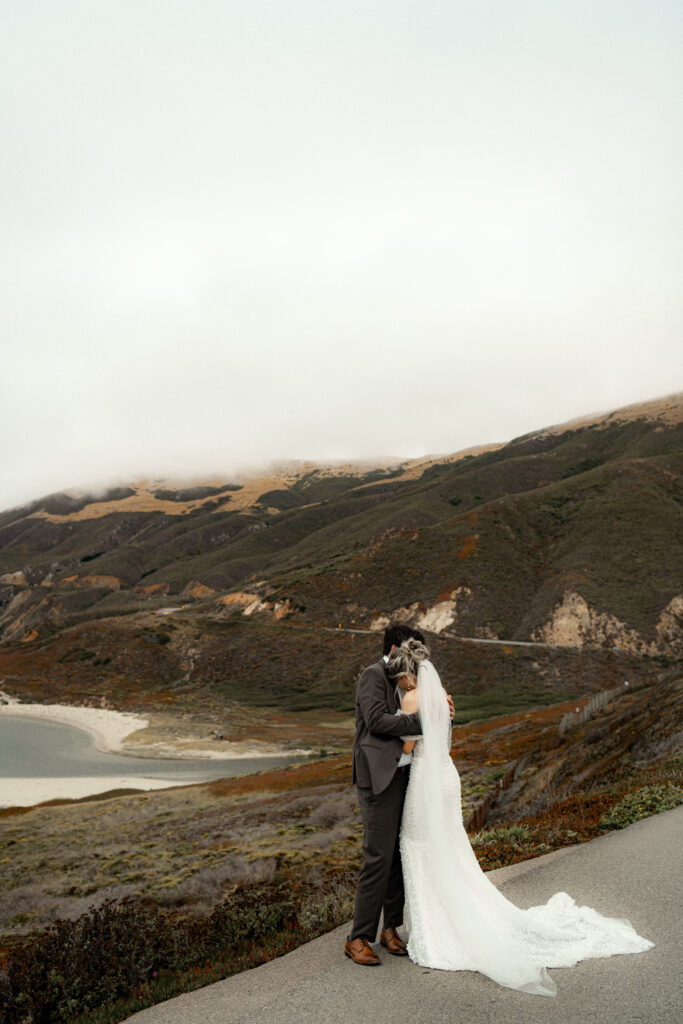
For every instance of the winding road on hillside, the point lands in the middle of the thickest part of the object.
(449, 636)
(633, 873)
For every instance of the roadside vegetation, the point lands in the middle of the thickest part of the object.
(144, 896)
(248, 621)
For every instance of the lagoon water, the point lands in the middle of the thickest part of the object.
(42, 749)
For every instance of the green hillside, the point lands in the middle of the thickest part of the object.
(570, 536)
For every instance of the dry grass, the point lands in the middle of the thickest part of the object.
(186, 847)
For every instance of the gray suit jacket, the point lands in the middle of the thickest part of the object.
(377, 747)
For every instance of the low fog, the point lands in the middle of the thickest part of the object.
(241, 233)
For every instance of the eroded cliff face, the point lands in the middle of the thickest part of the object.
(670, 626)
(574, 623)
(253, 604)
(25, 613)
(434, 618)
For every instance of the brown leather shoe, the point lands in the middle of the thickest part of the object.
(361, 952)
(392, 942)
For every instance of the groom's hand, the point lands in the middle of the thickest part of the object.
(450, 706)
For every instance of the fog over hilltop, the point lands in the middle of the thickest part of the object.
(257, 477)
(245, 233)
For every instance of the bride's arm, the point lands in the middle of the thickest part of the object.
(409, 706)
(372, 700)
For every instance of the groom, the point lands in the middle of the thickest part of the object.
(380, 771)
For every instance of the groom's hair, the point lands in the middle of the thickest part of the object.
(396, 633)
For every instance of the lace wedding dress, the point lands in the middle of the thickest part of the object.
(457, 919)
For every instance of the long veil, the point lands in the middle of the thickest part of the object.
(473, 906)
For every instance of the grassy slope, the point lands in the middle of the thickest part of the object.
(144, 663)
(186, 847)
(593, 510)
(346, 516)
(600, 531)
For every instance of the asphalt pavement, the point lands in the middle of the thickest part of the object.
(634, 873)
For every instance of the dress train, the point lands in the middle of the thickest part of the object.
(457, 919)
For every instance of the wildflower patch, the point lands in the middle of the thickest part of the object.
(641, 804)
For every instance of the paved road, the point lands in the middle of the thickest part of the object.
(449, 636)
(635, 873)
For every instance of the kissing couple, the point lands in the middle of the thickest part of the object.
(418, 864)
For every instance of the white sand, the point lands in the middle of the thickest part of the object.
(26, 792)
(110, 728)
(107, 728)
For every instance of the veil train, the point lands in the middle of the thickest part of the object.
(458, 920)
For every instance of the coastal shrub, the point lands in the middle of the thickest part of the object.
(328, 904)
(319, 914)
(77, 654)
(513, 834)
(641, 804)
(248, 914)
(332, 809)
(75, 966)
(549, 797)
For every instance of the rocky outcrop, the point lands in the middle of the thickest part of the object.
(93, 580)
(26, 611)
(278, 609)
(253, 604)
(237, 601)
(573, 623)
(433, 619)
(152, 589)
(14, 579)
(197, 591)
(670, 626)
(444, 613)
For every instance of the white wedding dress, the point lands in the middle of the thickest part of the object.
(457, 919)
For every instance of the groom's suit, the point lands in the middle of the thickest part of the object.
(381, 786)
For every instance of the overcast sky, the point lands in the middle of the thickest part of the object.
(241, 230)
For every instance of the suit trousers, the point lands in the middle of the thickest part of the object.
(380, 885)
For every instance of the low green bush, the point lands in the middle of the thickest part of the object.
(513, 833)
(124, 955)
(641, 804)
(76, 966)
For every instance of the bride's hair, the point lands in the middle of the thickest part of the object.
(405, 660)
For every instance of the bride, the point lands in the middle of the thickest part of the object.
(457, 919)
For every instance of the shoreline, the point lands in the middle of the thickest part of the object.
(29, 792)
(109, 729)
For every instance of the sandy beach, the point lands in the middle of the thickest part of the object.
(27, 792)
(109, 730)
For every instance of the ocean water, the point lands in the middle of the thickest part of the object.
(40, 749)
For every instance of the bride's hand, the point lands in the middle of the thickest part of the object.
(450, 706)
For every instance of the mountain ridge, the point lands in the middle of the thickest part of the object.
(668, 410)
(566, 536)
